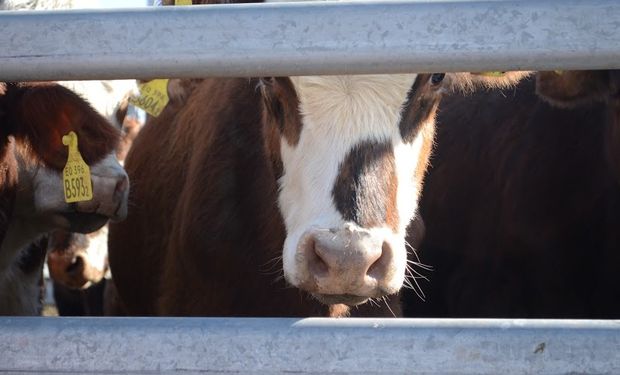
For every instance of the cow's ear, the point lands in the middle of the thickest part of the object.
(574, 88)
(468, 82)
(41, 113)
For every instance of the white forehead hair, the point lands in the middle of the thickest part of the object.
(368, 106)
(338, 112)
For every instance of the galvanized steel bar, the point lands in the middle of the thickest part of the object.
(203, 345)
(310, 38)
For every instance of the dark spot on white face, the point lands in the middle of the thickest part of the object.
(366, 186)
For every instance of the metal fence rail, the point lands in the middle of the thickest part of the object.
(295, 39)
(310, 38)
(203, 345)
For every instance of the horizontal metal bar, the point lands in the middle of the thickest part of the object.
(310, 38)
(169, 345)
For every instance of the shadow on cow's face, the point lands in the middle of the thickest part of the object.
(351, 159)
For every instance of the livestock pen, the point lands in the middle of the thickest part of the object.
(301, 39)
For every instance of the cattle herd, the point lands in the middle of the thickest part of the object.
(416, 195)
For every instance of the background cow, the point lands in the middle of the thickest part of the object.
(522, 203)
(78, 262)
(33, 118)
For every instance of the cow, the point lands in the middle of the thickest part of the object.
(78, 262)
(522, 202)
(278, 196)
(34, 117)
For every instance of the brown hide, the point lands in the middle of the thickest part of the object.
(522, 203)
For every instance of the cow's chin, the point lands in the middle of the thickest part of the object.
(345, 299)
(80, 222)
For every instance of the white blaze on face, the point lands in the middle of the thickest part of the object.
(339, 112)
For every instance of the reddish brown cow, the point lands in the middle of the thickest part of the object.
(522, 204)
(33, 119)
(313, 177)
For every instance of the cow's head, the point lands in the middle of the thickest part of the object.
(351, 156)
(36, 116)
(78, 260)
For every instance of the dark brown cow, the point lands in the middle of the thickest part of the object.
(317, 177)
(522, 204)
(33, 119)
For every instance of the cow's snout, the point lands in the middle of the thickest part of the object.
(75, 271)
(346, 266)
(110, 191)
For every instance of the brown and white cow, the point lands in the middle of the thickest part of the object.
(78, 262)
(33, 119)
(522, 203)
(311, 178)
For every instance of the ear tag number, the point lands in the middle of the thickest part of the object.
(76, 174)
(153, 96)
(182, 2)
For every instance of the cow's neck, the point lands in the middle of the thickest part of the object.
(22, 223)
(612, 138)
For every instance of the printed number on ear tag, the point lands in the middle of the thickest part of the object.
(153, 96)
(182, 2)
(76, 174)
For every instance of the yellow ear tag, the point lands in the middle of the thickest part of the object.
(153, 96)
(76, 174)
(182, 2)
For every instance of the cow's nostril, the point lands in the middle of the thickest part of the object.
(378, 265)
(121, 185)
(76, 266)
(317, 264)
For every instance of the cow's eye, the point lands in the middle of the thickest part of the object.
(436, 78)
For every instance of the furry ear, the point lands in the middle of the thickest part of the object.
(469, 82)
(568, 89)
(39, 114)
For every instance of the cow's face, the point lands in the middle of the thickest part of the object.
(353, 151)
(36, 116)
(77, 260)
(351, 158)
